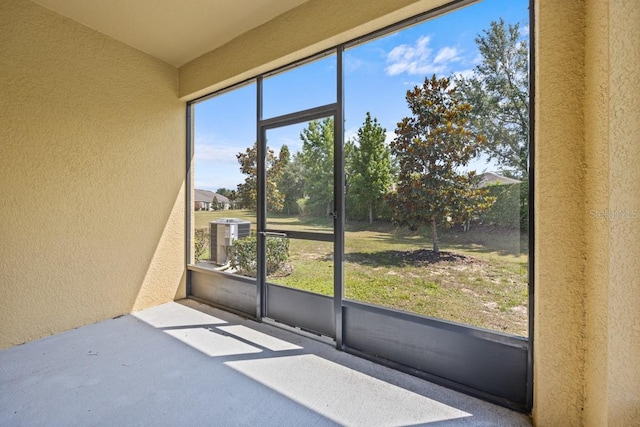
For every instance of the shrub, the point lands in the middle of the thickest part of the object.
(245, 255)
(524, 206)
(301, 205)
(200, 243)
(382, 211)
(511, 208)
(277, 254)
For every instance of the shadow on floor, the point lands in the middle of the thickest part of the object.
(186, 363)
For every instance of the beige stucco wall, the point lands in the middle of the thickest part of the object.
(587, 317)
(92, 155)
(559, 213)
(597, 187)
(623, 174)
(306, 30)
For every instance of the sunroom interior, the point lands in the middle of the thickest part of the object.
(96, 123)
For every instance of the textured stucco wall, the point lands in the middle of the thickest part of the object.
(597, 230)
(587, 320)
(559, 210)
(623, 384)
(303, 31)
(92, 162)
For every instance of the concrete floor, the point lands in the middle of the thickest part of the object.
(186, 363)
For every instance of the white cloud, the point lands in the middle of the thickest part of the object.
(294, 145)
(214, 183)
(412, 83)
(446, 54)
(524, 31)
(211, 149)
(419, 59)
(211, 153)
(465, 74)
(352, 63)
(389, 136)
(350, 134)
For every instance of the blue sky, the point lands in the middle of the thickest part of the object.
(377, 75)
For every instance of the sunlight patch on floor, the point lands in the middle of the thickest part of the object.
(343, 395)
(211, 343)
(263, 340)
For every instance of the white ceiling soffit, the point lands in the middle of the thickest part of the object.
(175, 31)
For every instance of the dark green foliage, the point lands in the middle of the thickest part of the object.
(245, 261)
(382, 211)
(505, 211)
(511, 208)
(369, 164)
(229, 194)
(291, 185)
(247, 191)
(317, 160)
(431, 146)
(499, 95)
(524, 206)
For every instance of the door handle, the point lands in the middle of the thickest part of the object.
(273, 234)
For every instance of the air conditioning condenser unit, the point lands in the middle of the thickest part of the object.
(224, 232)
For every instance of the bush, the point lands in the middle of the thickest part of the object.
(524, 206)
(301, 204)
(511, 208)
(277, 254)
(245, 255)
(200, 243)
(382, 211)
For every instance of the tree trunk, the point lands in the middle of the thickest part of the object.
(370, 214)
(434, 232)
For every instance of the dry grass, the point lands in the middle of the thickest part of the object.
(482, 281)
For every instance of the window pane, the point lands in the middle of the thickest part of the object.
(308, 86)
(224, 197)
(461, 169)
(307, 265)
(300, 177)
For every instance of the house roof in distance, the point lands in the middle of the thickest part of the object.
(489, 178)
(207, 196)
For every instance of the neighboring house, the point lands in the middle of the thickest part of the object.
(490, 178)
(203, 200)
(223, 202)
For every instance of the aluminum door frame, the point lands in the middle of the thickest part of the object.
(297, 314)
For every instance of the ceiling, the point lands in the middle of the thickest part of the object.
(175, 31)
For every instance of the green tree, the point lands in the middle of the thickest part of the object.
(431, 147)
(499, 95)
(247, 191)
(292, 184)
(317, 159)
(370, 166)
(225, 192)
(275, 169)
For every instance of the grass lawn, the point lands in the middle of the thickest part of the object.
(482, 281)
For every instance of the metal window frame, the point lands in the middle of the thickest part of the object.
(342, 306)
(336, 111)
(531, 224)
